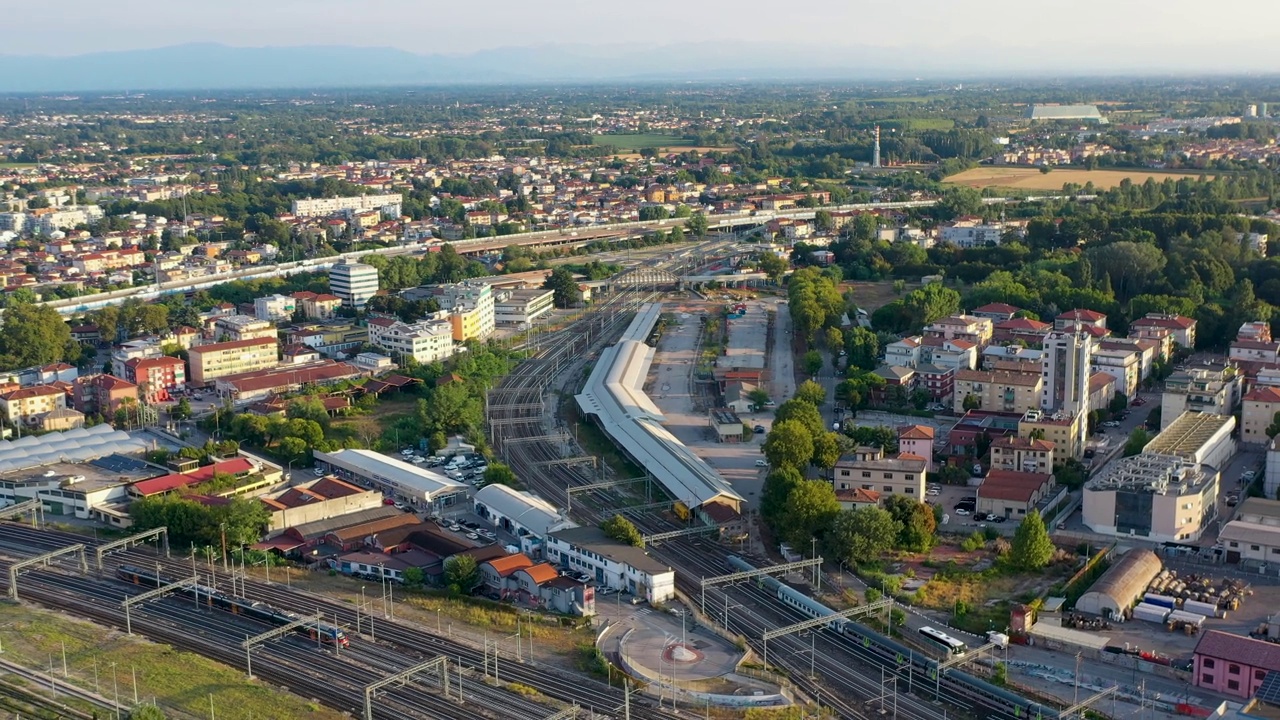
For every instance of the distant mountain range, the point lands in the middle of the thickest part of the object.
(209, 66)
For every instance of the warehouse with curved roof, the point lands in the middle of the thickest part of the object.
(614, 394)
(1121, 585)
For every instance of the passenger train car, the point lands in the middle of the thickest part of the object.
(881, 651)
(263, 613)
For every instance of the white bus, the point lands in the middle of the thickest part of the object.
(945, 641)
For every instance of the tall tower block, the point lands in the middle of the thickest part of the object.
(875, 151)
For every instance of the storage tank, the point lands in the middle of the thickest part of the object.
(1150, 613)
(1163, 601)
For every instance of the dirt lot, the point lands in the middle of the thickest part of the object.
(873, 295)
(1021, 178)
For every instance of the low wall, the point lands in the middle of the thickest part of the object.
(635, 669)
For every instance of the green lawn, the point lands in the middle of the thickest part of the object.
(366, 429)
(920, 123)
(177, 680)
(639, 141)
(16, 165)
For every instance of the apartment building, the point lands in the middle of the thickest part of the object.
(1019, 454)
(317, 306)
(970, 233)
(470, 307)
(102, 394)
(1260, 407)
(230, 328)
(1082, 319)
(1214, 390)
(970, 328)
(1000, 390)
(1123, 364)
(275, 308)
(157, 378)
(389, 205)
(868, 468)
(426, 342)
(353, 283)
(1182, 328)
(209, 362)
(27, 405)
(903, 353)
(1066, 430)
(329, 338)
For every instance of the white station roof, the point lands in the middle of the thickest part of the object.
(407, 479)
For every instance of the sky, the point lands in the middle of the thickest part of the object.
(1238, 34)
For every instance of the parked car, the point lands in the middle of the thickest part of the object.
(1249, 475)
(758, 429)
(933, 491)
(961, 511)
(762, 463)
(1111, 424)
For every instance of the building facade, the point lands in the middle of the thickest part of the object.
(425, 342)
(157, 378)
(209, 362)
(229, 328)
(1200, 389)
(522, 307)
(869, 468)
(1159, 498)
(999, 390)
(275, 308)
(353, 283)
(26, 405)
(1260, 407)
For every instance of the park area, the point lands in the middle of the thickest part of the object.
(629, 145)
(1026, 178)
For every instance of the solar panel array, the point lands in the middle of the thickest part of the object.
(1269, 690)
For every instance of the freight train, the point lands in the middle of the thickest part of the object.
(263, 613)
(892, 655)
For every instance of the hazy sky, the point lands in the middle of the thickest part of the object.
(1235, 33)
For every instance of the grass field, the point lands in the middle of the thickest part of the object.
(920, 123)
(640, 141)
(392, 407)
(1022, 178)
(177, 680)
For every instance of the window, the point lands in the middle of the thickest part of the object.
(1233, 669)
(844, 473)
(1206, 678)
(1233, 685)
(866, 487)
(888, 476)
(888, 488)
(911, 476)
(1259, 674)
(866, 473)
(1207, 662)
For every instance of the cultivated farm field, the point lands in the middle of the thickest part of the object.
(1023, 178)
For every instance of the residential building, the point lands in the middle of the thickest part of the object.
(1182, 328)
(28, 405)
(903, 353)
(209, 362)
(522, 307)
(389, 205)
(229, 328)
(1233, 664)
(938, 381)
(1066, 367)
(317, 306)
(1253, 537)
(869, 468)
(61, 419)
(496, 573)
(1102, 390)
(611, 564)
(996, 312)
(917, 440)
(426, 342)
(275, 308)
(996, 390)
(1012, 494)
(1023, 455)
(1260, 407)
(855, 498)
(1123, 364)
(972, 329)
(354, 283)
(1159, 498)
(1066, 430)
(102, 394)
(470, 307)
(1081, 319)
(1011, 357)
(1030, 332)
(957, 354)
(1200, 389)
(971, 233)
(157, 378)
(1147, 352)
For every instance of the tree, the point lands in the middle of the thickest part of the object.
(861, 535)
(565, 288)
(461, 574)
(916, 520)
(773, 266)
(826, 449)
(811, 392)
(1032, 548)
(863, 347)
(414, 577)
(778, 485)
(834, 340)
(804, 412)
(183, 410)
(697, 224)
(622, 530)
(808, 512)
(789, 444)
(812, 362)
(1138, 440)
(758, 397)
(500, 474)
(971, 402)
(1132, 266)
(35, 335)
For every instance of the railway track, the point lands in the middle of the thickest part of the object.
(398, 645)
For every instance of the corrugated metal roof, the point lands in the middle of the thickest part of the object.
(529, 511)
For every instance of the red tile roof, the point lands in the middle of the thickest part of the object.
(997, 308)
(1237, 648)
(1265, 394)
(167, 483)
(504, 566)
(542, 572)
(915, 432)
(1082, 315)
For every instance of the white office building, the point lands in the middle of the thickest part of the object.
(611, 564)
(388, 205)
(275, 308)
(355, 283)
(426, 342)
